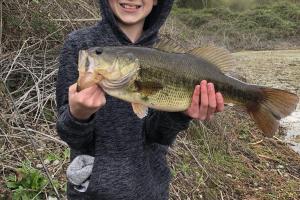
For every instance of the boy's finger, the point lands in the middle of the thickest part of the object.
(212, 103)
(220, 102)
(91, 97)
(99, 98)
(195, 98)
(192, 111)
(204, 101)
(90, 90)
(73, 88)
(98, 93)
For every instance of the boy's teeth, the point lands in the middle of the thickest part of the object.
(130, 6)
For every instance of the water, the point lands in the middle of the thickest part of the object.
(292, 123)
(278, 69)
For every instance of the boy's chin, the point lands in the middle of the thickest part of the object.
(130, 21)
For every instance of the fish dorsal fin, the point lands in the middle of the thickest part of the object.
(140, 110)
(217, 56)
(169, 45)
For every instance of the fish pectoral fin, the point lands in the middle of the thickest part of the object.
(146, 88)
(140, 110)
(169, 45)
(217, 56)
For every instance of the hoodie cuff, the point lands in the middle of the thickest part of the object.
(77, 126)
(180, 117)
(175, 120)
(80, 121)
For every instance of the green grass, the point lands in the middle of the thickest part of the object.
(61, 156)
(263, 23)
(27, 183)
(277, 20)
(236, 5)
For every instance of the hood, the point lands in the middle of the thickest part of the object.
(152, 25)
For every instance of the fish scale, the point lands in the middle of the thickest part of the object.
(186, 73)
(174, 94)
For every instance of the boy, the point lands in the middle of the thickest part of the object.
(129, 154)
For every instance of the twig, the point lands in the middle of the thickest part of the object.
(65, 14)
(295, 177)
(176, 193)
(256, 143)
(6, 137)
(14, 149)
(84, 5)
(1, 27)
(32, 140)
(267, 157)
(15, 59)
(76, 20)
(199, 164)
(280, 140)
(43, 134)
(221, 195)
(8, 167)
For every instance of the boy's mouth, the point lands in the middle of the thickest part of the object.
(130, 6)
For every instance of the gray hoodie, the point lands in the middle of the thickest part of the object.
(130, 153)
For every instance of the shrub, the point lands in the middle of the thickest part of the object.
(27, 183)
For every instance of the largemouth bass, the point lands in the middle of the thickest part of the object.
(164, 78)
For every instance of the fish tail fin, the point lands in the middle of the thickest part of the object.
(274, 105)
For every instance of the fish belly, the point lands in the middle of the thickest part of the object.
(170, 98)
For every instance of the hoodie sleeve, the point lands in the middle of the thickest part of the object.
(163, 127)
(77, 134)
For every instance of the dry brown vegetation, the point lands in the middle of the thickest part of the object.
(223, 159)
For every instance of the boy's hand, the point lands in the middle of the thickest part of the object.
(205, 102)
(86, 102)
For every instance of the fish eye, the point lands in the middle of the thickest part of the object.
(99, 51)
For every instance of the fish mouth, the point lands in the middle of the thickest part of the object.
(87, 77)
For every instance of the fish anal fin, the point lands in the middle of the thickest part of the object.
(215, 55)
(140, 110)
(147, 88)
(264, 120)
(169, 45)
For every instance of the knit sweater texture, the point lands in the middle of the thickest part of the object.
(130, 153)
